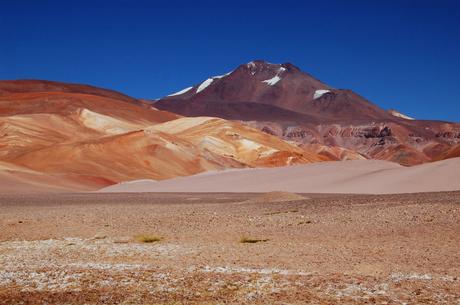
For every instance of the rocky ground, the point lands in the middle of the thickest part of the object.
(230, 249)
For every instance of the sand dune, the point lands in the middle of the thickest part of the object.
(358, 176)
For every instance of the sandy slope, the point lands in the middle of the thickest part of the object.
(359, 176)
(453, 152)
(17, 179)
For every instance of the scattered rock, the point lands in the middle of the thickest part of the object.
(100, 236)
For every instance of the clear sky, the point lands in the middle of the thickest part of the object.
(399, 54)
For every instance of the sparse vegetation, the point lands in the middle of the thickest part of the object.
(272, 197)
(146, 238)
(249, 240)
(281, 212)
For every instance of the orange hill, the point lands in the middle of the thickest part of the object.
(82, 131)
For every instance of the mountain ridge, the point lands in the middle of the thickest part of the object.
(280, 98)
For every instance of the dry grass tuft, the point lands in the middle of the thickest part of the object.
(249, 240)
(146, 238)
(277, 196)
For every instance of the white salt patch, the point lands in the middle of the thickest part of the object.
(320, 93)
(411, 277)
(181, 92)
(106, 266)
(231, 270)
(354, 290)
(204, 85)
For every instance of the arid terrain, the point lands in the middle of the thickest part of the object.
(229, 248)
(110, 199)
(230, 152)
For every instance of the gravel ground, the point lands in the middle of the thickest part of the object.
(325, 249)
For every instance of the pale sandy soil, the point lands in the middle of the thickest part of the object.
(326, 249)
(353, 177)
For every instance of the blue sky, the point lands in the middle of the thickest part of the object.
(399, 54)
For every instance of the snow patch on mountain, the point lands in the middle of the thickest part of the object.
(222, 76)
(258, 66)
(272, 81)
(204, 85)
(320, 93)
(399, 115)
(251, 64)
(181, 92)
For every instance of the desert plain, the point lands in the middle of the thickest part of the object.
(229, 248)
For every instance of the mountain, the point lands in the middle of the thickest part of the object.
(281, 100)
(276, 88)
(30, 86)
(87, 137)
